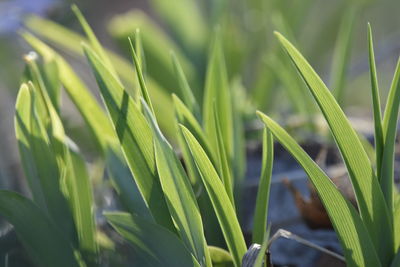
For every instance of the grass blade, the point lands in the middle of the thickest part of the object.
(217, 91)
(370, 199)
(135, 136)
(81, 201)
(44, 242)
(396, 221)
(80, 95)
(390, 119)
(376, 104)
(179, 195)
(39, 160)
(223, 166)
(185, 90)
(222, 206)
(143, 89)
(353, 235)
(261, 209)
(154, 245)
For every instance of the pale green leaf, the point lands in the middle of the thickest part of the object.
(390, 119)
(39, 160)
(378, 137)
(217, 92)
(185, 90)
(220, 257)
(219, 198)
(80, 95)
(262, 201)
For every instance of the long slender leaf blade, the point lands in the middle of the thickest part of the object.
(81, 201)
(396, 222)
(135, 136)
(39, 160)
(353, 235)
(261, 209)
(140, 76)
(396, 260)
(223, 164)
(80, 95)
(373, 209)
(179, 195)
(155, 246)
(390, 119)
(46, 245)
(187, 119)
(376, 104)
(186, 91)
(217, 91)
(222, 206)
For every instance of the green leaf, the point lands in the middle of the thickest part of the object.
(224, 169)
(80, 196)
(143, 89)
(185, 90)
(373, 209)
(261, 254)
(220, 200)
(135, 136)
(39, 160)
(43, 240)
(220, 257)
(261, 209)
(154, 245)
(376, 104)
(179, 195)
(217, 92)
(80, 95)
(390, 119)
(396, 222)
(353, 235)
(126, 187)
(342, 53)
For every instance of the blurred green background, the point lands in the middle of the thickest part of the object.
(331, 34)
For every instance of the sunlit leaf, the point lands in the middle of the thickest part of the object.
(352, 233)
(220, 200)
(371, 203)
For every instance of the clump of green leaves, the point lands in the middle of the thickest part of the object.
(369, 237)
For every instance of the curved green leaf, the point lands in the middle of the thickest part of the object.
(261, 209)
(220, 200)
(371, 203)
(353, 235)
(179, 194)
(135, 136)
